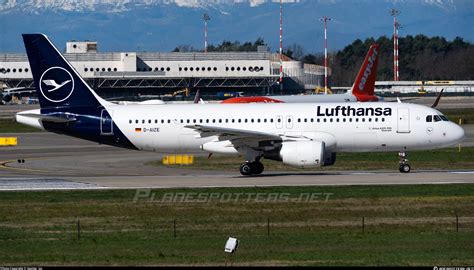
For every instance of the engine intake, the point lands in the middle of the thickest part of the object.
(303, 154)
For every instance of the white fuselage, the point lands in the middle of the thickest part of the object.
(163, 128)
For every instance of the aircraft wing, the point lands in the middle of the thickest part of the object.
(233, 134)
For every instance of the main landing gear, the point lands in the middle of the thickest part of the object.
(404, 166)
(249, 168)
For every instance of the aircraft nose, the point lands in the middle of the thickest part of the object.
(456, 133)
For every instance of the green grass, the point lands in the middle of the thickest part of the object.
(11, 126)
(404, 225)
(449, 158)
(467, 114)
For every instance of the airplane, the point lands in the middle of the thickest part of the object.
(362, 90)
(303, 135)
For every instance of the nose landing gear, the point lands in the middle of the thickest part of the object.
(404, 166)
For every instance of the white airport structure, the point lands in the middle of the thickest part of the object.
(115, 74)
(255, 71)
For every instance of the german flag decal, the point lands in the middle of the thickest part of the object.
(138, 129)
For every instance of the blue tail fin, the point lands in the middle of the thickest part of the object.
(57, 83)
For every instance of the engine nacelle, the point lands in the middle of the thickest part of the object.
(303, 154)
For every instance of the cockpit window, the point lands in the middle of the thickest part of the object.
(429, 118)
(436, 118)
(444, 118)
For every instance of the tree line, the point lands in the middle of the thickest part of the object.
(420, 57)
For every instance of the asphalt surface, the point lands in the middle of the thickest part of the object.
(59, 162)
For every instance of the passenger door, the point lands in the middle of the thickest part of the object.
(403, 120)
(106, 123)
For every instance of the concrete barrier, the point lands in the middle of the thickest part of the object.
(8, 141)
(178, 159)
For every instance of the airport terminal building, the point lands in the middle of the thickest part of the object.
(131, 74)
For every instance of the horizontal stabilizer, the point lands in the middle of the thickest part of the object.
(48, 118)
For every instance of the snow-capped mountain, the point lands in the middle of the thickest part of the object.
(161, 25)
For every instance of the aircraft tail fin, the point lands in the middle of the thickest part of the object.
(364, 84)
(57, 83)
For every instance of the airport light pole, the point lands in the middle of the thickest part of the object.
(206, 18)
(281, 47)
(325, 20)
(396, 26)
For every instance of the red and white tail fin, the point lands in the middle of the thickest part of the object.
(364, 84)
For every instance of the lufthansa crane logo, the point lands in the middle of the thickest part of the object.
(56, 84)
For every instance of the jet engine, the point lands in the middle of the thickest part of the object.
(305, 154)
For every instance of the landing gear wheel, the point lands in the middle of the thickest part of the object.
(403, 161)
(246, 169)
(257, 167)
(250, 168)
(405, 168)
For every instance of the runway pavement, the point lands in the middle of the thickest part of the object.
(60, 162)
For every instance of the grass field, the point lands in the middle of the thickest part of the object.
(403, 225)
(11, 126)
(449, 158)
(467, 114)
